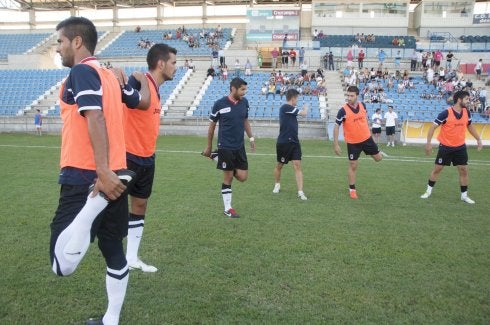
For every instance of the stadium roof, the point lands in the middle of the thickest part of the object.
(105, 4)
(101, 4)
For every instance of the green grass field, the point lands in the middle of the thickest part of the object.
(387, 258)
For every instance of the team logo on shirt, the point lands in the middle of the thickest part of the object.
(225, 110)
(223, 165)
(283, 159)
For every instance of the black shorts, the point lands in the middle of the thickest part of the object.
(288, 151)
(232, 159)
(112, 223)
(478, 72)
(447, 155)
(369, 147)
(143, 183)
(390, 130)
(376, 130)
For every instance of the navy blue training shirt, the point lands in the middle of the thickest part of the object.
(231, 116)
(288, 124)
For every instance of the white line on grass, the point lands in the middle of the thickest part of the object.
(390, 158)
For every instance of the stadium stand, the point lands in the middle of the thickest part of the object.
(410, 105)
(19, 43)
(380, 41)
(165, 90)
(20, 88)
(260, 106)
(126, 44)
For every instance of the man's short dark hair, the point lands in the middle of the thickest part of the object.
(460, 94)
(378, 110)
(291, 93)
(80, 26)
(390, 106)
(353, 89)
(237, 83)
(159, 52)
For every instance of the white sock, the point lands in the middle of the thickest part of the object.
(301, 193)
(226, 193)
(135, 232)
(116, 283)
(429, 189)
(464, 194)
(73, 242)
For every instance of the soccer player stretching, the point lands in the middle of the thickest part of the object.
(141, 128)
(232, 114)
(353, 116)
(288, 146)
(452, 148)
(92, 150)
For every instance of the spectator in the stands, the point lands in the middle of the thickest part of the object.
(137, 29)
(401, 42)
(248, 68)
(211, 72)
(394, 42)
(274, 54)
(349, 57)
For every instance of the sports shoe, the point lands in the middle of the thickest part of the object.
(231, 213)
(467, 200)
(353, 194)
(384, 154)
(426, 195)
(125, 175)
(139, 265)
(277, 188)
(302, 196)
(94, 321)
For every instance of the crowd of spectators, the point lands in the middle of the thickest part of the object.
(279, 83)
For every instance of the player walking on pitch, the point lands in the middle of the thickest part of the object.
(288, 147)
(454, 122)
(353, 116)
(231, 112)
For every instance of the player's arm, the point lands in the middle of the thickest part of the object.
(475, 134)
(87, 91)
(248, 131)
(136, 92)
(430, 134)
(338, 121)
(207, 151)
(143, 89)
(473, 131)
(304, 110)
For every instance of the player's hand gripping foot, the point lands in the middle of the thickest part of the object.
(213, 155)
(139, 265)
(124, 175)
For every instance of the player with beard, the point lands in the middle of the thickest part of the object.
(232, 114)
(454, 121)
(141, 129)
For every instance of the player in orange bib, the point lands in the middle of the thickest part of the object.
(452, 148)
(141, 129)
(93, 160)
(353, 116)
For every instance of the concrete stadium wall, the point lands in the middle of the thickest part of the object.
(189, 126)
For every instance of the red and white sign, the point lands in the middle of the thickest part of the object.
(280, 37)
(285, 13)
